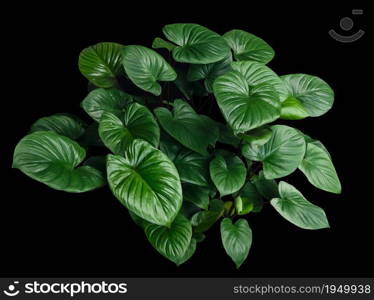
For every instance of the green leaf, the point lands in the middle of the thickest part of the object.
(53, 159)
(172, 242)
(187, 127)
(135, 122)
(203, 220)
(267, 188)
(159, 43)
(251, 199)
(228, 174)
(293, 109)
(257, 73)
(192, 167)
(296, 209)
(245, 107)
(188, 254)
(226, 135)
(281, 155)
(209, 72)
(101, 64)
(319, 169)
(146, 182)
(105, 100)
(247, 46)
(188, 88)
(258, 136)
(315, 95)
(189, 209)
(196, 194)
(65, 125)
(145, 67)
(236, 239)
(196, 44)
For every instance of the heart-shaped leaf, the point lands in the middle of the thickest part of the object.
(171, 242)
(257, 73)
(247, 46)
(105, 100)
(281, 155)
(101, 64)
(187, 127)
(136, 122)
(245, 107)
(319, 169)
(196, 44)
(53, 159)
(145, 67)
(296, 209)
(236, 239)
(209, 72)
(188, 254)
(196, 194)
(62, 124)
(315, 95)
(228, 174)
(146, 182)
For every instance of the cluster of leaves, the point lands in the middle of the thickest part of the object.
(176, 170)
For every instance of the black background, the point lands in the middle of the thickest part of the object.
(51, 233)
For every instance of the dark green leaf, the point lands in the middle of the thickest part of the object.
(172, 242)
(296, 209)
(101, 64)
(267, 188)
(53, 159)
(187, 127)
(135, 122)
(247, 46)
(105, 100)
(319, 169)
(245, 107)
(146, 182)
(250, 197)
(226, 135)
(203, 220)
(236, 239)
(196, 194)
(228, 174)
(65, 125)
(196, 44)
(281, 155)
(145, 67)
(159, 43)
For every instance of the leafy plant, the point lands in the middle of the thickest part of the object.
(176, 163)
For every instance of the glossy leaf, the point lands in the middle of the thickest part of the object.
(296, 209)
(258, 136)
(187, 127)
(236, 239)
(209, 72)
(101, 64)
(188, 254)
(228, 174)
(105, 100)
(292, 109)
(53, 159)
(196, 44)
(159, 43)
(245, 107)
(315, 95)
(136, 122)
(146, 182)
(319, 169)
(257, 73)
(247, 46)
(281, 155)
(61, 124)
(172, 242)
(196, 194)
(145, 67)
